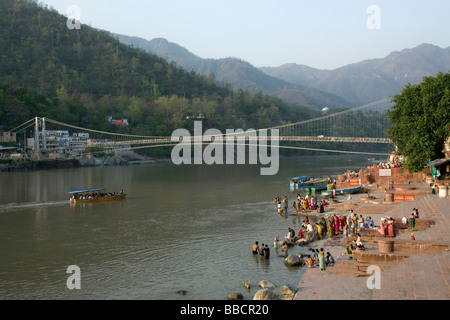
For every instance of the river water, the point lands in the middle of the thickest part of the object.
(181, 228)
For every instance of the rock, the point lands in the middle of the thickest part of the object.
(109, 162)
(315, 237)
(302, 241)
(235, 296)
(293, 260)
(265, 284)
(265, 294)
(286, 293)
(87, 162)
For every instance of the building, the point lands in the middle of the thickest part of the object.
(119, 122)
(60, 141)
(7, 137)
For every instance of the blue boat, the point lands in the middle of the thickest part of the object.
(299, 182)
(314, 189)
(350, 190)
(306, 182)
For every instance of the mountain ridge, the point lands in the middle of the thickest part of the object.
(387, 75)
(237, 73)
(352, 85)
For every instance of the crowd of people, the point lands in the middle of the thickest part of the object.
(96, 195)
(303, 204)
(394, 163)
(332, 225)
(326, 226)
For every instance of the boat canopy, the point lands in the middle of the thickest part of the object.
(300, 178)
(87, 190)
(438, 162)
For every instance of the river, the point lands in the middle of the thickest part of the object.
(181, 228)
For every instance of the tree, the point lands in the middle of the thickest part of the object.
(421, 119)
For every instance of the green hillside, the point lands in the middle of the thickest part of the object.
(82, 76)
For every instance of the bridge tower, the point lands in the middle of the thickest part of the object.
(39, 134)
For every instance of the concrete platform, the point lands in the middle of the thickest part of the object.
(415, 270)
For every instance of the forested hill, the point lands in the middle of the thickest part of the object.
(82, 76)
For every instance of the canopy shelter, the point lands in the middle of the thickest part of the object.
(87, 190)
(300, 178)
(438, 162)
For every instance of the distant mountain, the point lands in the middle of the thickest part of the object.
(238, 74)
(370, 80)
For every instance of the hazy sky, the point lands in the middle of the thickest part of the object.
(324, 34)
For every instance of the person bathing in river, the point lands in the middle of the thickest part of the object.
(255, 248)
(294, 207)
(309, 262)
(285, 248)
(266, 252)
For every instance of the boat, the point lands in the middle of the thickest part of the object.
(306, 182)
(314, 189)
(95, 195)
(350, 190)
(299, 182)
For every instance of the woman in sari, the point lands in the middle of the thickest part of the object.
(324, 225)
(383, 227)
(336, 224)
(412, 222)
(330, 228)
(390, 227)
(321, 260)
(343, 221)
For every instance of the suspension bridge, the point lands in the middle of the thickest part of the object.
(365, 125)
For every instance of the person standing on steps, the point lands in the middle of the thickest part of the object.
(321, 259)
(412, 222)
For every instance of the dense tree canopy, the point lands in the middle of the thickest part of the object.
(421, 120)
(83, 76)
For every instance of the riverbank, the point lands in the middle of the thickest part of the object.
(23, 165)
(406, 274)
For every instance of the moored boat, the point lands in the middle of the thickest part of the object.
(306, 182)
(95, 195)
(299, 182)
(314, 189)
(350, 190)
